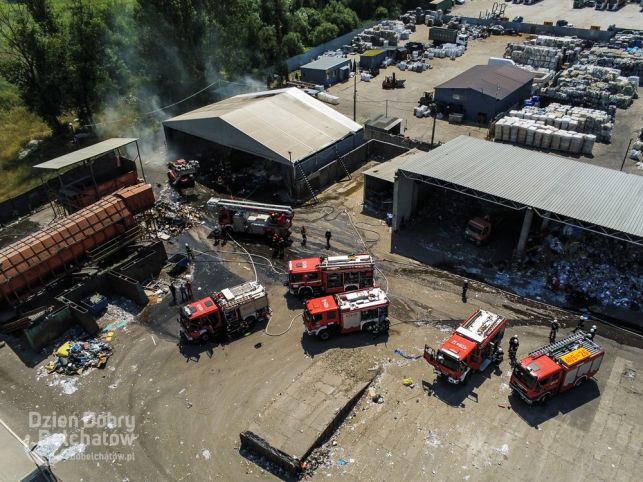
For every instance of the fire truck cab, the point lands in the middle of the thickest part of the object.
(333, 274)
(230, 312)
(470, 348)
(365, 310)
(556, 368)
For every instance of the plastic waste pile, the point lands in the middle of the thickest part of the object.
(628, 61)
(449, 51)
(535, 55)
(626, 40)
(592, 86)
(74, 357)
(173, 216)
(545, 51)
(387, 33)
(568, 118)
(535, 133)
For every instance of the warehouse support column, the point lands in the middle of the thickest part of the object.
(402, 199)
(524, 232)
(545, 222)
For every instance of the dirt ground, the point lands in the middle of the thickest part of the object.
(552, 10)
(373, 100)
(190, 404)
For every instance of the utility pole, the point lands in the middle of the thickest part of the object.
(386, 115)
(355, 96)
(434, 114)
(627, 151)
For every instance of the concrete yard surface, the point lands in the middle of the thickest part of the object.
(628, 17)
(480, 431)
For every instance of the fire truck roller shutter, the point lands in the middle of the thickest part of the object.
(352, 320)
(570, 376)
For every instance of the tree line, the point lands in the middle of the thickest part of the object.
(77, 56)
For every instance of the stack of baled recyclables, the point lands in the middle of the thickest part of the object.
(544, 51)
(28, 263)
(556, 127)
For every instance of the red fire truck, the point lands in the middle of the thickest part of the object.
(470, 348)
(229, 312)
(364, 310)
(556, 368)
(333, 274)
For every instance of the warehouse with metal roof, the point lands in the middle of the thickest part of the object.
(326, 71)
(293, 134)
(593, 198)
(483, 91)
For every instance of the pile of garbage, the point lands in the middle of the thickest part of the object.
(74, 357)
(535, 55)
(626, 40)
(628, 61)
(567, 43)
(588, 268)
(592, 86)
(450, 51)
(173, 217)
(387, 33)
(568, 118)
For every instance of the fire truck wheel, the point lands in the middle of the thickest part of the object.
(545, 398)
(580, 381)
(306, 292)
(351, 288)
(250, 322)
(324, 335)
(205, 338)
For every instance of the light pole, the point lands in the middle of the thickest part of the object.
(627, 151)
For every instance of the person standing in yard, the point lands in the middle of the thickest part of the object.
(328, 236)
(188, 288)
(184, 294)
(173, 291)
(465, 288)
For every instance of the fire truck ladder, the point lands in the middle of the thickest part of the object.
(303, 175)
(553, 349)
(341, 163)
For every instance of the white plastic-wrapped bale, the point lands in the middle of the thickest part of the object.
(565, 141)
(588, 145)
(546, 140)
(531, 133)
(555, 140)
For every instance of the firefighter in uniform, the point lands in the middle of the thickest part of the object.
(303, 235)
(592, 332)
(554, 329)
(514, 343)
(581, 323)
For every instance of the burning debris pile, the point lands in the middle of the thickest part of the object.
(588, 269)
(173, 217)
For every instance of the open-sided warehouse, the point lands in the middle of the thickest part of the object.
(326, 71)
(484, 91)
(290, 134)
(379, 181)
(589, 197)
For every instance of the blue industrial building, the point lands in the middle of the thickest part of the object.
(326, 71)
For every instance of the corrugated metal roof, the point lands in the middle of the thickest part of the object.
(572, 189)
(497, 81)
(279, 124)
(386, 170)
(325, 63)
(86, 153)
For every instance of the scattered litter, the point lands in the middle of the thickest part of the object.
(258, 345)
(47, 447)
(115, 384)
(432, 439)
(629, 373)
(404, 355)
(206, 454)
(378, 399)
(504, 450)
(342, 462)
(408, 382)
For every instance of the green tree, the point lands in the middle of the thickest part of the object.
(89, 58)
(33, 57)
(381, 12)
(293, 44)
(172, 40)
(325, 32)
(341, 16)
